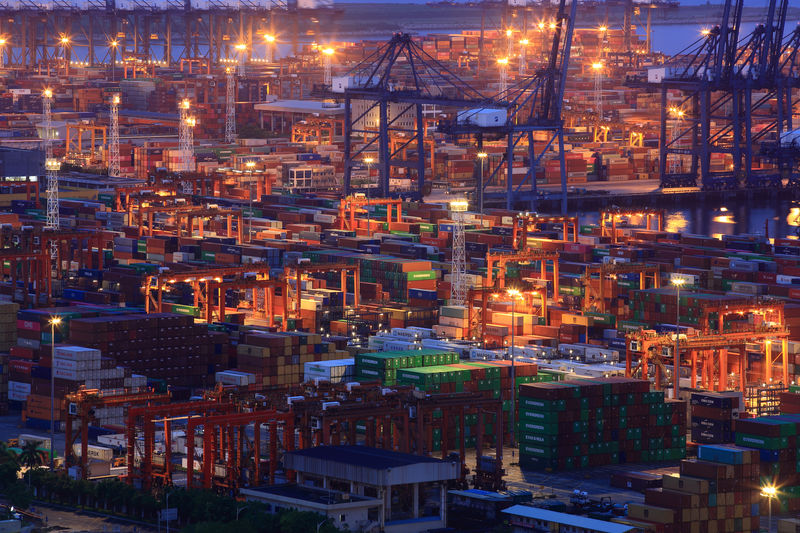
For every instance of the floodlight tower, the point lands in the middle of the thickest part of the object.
(503, 64)
(327, 54)
(113, 138)
(230, 106)
(186, 142)
(674, 161)
(597, 67)
(523, 45)
(52, 167)
(458, 271)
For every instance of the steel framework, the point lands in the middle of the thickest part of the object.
(524, 221)
(535, 105)
(524, 256)
(393, 85)
(726, 84)
(708, 351)
(597, 298)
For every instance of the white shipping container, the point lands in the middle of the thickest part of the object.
(77, 353)
(20, 387)
(101, 453)
(335, 371)
(484, 117)
(44, 442)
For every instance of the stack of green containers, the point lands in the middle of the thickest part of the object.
(594, 422)
(383, 366)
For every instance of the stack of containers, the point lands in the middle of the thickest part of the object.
(3, 384)
(776, 440)
(582, 423)
(713, 414)
(160, 345)
(383, 366)
(8, 325)
(279, 358)
(717, 493)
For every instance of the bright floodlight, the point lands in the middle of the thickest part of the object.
(56, 320)
(503, 61)
(524, 42)
(185, 104)
(597, 66)
(47, 93)
(482, 155)
(65, 40)
(328, 51)
(769, 491)
(514, 293)
(678, 282)
(459, 205)
(241, 46)
(269, 38)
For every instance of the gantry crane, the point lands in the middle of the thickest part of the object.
(534, 105)
(189, 213)
(725, 84)
(710, 351)
(395, 83)
(156, 285)
(295, 272)
(81, 406)
(525, 221)
(352, 204)
(596, 298)
(523, 256)
(610, 216)
(477, 318)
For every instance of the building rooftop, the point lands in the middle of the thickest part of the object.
(310, 494)
(301, 106)
(370, 465)
(589, 524)
(366, 457)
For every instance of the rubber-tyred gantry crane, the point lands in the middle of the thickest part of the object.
(295, 272)
(522, 256)
(205, 282)
(610, 216)
(189, 213)
(354, 203)
(81, 406)
(525, 222)
(711, 352)
(594, 281)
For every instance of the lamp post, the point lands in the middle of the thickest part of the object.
(368, 161)
(769, 492)
(523, 45)
(114, 44)
(3, 43)
(676, 358)
(513, 294)
(54, 321)
(239, 510)
(503, 65)
(597, 67)
(479, 197)
(327, 54)
(270, 40)
(250, 165)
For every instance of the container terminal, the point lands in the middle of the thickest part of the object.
(400, 268)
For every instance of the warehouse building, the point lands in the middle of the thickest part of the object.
(400, 492)
(525, 519)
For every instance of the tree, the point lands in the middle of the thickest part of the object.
(31, 457)
(19, 495)
(6, 455)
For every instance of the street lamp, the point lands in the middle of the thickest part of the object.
(503, 64)
(270, 40)
(514, 294)
(678, 283)
(239, 510)
(482, 158)
(523, 44)
(113, 44)
(250, 165)
(3, 42)
(769, 492)
(54, 321)
(327, 54)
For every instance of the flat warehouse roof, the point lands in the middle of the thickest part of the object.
(589, 524)
(300, 106)
(372, 466)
